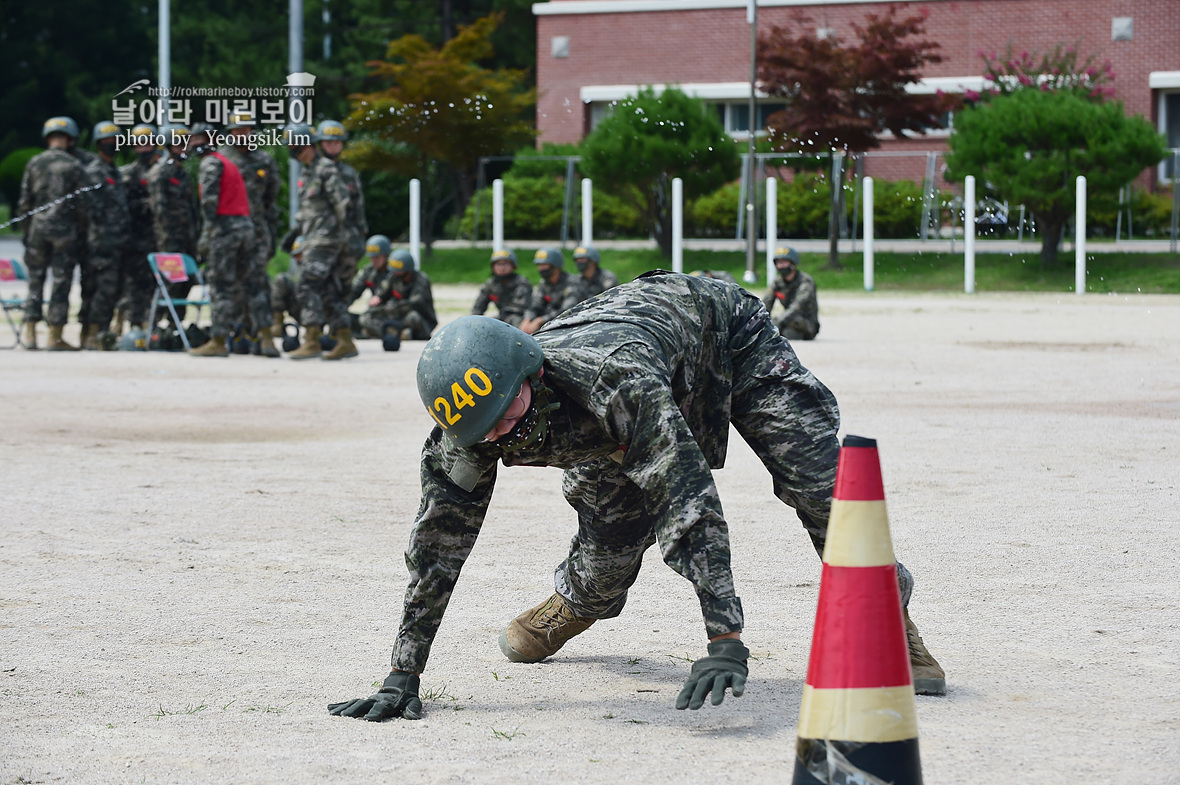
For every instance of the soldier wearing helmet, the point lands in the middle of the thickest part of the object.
(137, 284)
(594, 279)
(331, 136)
(558, 290)
(108, 222)
(408, 297)
(283, 297)
(509, 291)
(373, 279)
(323, 222)
(173, 201)
(52, 180)
(632, 393)
(794, 290)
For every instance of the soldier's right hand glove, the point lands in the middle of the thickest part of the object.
(724, 667)
(398, 697)
(288, 241)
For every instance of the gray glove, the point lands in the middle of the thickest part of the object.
(398, 698)
(288, 241)
(724, 667)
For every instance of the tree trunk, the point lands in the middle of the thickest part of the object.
(1051, 227)
(834, 192)
(660, 215)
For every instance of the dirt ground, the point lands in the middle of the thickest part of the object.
(198, 555)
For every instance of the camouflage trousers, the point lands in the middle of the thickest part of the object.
(283, 298)
(374, 320)
(137, 287)
(229, 260)
(100, 289)
(42, 255)
(257, 306)
(319, 289)
(346, 267)
(797, 328)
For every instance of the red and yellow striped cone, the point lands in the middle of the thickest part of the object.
(857, 722)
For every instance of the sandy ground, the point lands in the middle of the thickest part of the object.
(196, 556)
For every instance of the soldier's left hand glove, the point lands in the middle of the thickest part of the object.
(724, 667)
(398, 697)
(288, 241)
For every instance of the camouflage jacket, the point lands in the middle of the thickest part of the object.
(108, 219)
(797, 297)
(48, 177)
(323, 205)
(142, 235)
(357, 221)
(370, 279)
(510, 295)
(400, 296)
(550, 299)
(261, 177)
(643, 374)
(597, 283)
(174, 207)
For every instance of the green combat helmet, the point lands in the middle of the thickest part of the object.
(471, 371)
(60, 125)
(378, 245)
(402, 261)
(331, 131)
(551, 256)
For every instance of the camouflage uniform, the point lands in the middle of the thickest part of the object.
(375, 280)
(261, 177)
(284, 296)
(410, 302)
(227, 246)
(323, 222)
(174, 216)
(358, 225)
(648, 376)
(108, 221)
(510, 294)
(53, 236)
(597, 283)
(550, 299)
(138, 285)
(801, 320)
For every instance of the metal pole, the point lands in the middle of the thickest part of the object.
(741, 207)
(752, 193)
(867, 184)
(497, 214)
(326, 17)
(294, 66)
(771, 226)
(969, 235)
(587, 212)
(165, 50)
(677, 225)
(567, 202)
(415, 218)
(1079, 243)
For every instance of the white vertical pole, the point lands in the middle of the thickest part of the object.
(677, 225)
(969, 235)
(867, 189)
(415, 219)
(771, 226)
(587, 212)
(1079, 243)
(497, 214)
(294, 66)
(165, 51)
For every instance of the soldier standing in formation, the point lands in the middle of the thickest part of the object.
(632, 393)
(594, 279)
(408, 297)
(53, 178)
(331, 136)
(507, 289)
(558, 291)
(137, 286)
(174, 208)
(261, 178)
(108, 221)
(794, 290)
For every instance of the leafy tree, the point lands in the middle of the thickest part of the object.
(439, 114)
(646, 141)
(1029, 145)
(841, 97)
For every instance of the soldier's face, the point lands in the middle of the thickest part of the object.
(332, 148)
(503, 267)
(379, 260)
(516, 410)
(786, 268)
(545, 271)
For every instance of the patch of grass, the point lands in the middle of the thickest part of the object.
(268, 709)
(685, 658)
(161, 712)
(498, 677)
(507, 735)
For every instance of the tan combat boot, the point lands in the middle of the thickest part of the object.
(266, 342)
(90, 337)
(344, 347)
(278, 323)
(541, 631)
(56, 343)
(929, 678)
(310, 346)
(30, 336)
(214, 347)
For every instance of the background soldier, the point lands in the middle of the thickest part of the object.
(174, 208)
(323, 223)
(794, 290)
(507, 289)
(283, 296)
(137, 287)
(262, 189)
(227, 240)
(633, 394)
(556, 292)
(408, 297)
(52, 179)
(331, 136)
(720, 275)
(595, 280)
(373, 279)
(108, 222)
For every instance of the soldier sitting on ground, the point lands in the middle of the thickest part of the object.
(283, 298)
(506, 289)
(632, 393)
(794, 290)
(407, 297)
(557, 292)
(374, 279)
(594, 279)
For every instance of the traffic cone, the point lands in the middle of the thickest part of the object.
(857, 722)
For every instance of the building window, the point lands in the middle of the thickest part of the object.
(1170, 128)
(735, 116)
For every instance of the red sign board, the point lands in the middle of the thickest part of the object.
(7, 270)
(171, 267)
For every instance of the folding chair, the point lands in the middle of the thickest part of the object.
(12, 271)
(176, 268)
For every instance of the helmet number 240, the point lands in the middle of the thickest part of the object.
(477, 381)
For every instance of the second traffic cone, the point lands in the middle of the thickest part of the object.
(857, 721)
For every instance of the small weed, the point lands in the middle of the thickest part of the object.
(633, 660)
(437, 694)
(507, 736)
(80, 693)
(161, 713)
(637, 722)
(231, 703)
(608, 716)
(268, 709)
(685, 658)
(497, 677)
(767, 656)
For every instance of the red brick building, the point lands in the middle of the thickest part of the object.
(592, 52)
